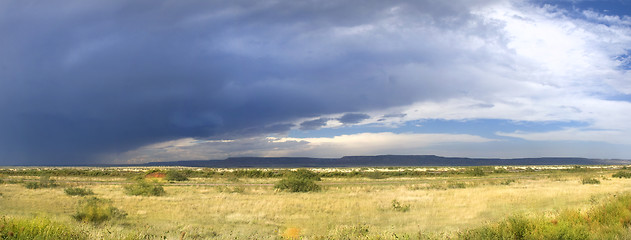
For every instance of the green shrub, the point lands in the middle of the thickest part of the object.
(397, 206)
(44, 182)
(144, 188)
(304, 174)
(590, 181)
(76, 191)
(476, 171)
(31, 185)
(297, 185)
(36, 228)
(622, 174)
(95, 210)
(173, 175)
(610, 220)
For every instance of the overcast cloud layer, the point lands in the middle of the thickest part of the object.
(118, 81)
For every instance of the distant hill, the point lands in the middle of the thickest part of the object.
(382, 161)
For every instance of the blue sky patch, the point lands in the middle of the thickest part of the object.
(480, 127)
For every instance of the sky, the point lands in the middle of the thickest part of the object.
(98, 82)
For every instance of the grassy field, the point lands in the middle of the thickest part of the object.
(354, 204)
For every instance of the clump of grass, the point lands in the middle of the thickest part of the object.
(375, 175)
(297, 185)
(76, 191)
(476, 172)
(144, 188)
(397, 206)
(610, 220)
(508, 181)
(173, 175)
(457, 185)
(622, 174)
(36, 228)
(227, 189)
(291, 233)
(96, 210)
(436, 186)
(44, 182)
(587, 180)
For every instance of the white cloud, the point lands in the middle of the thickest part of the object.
(337, 146)
(574, 134)
(554, 68)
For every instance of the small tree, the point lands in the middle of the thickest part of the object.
(96, 210)
(144, 188)
(302, 180)
(173, 175)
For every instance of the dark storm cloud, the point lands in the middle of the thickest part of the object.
(81, 81)
(351, 118)
(313, 124)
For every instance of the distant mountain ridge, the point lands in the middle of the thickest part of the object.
(382, 161)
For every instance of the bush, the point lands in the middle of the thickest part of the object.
(590, 181)
(44, 182)
(396, 205)
(297, 185)
(75, 191)
(304, 174)
(610, 220)
(144, 188)
(31, 185)
(36, 228)
(173, 175)
(95, 210)
(622, 174)
(476, 171)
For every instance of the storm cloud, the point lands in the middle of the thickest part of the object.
(80, 81)
(86, 82)
(313, 124)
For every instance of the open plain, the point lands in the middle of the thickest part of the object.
(361, 203)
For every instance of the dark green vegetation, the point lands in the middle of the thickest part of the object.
(77, 191)
(36, 228)
(297, 185)
(96, 210)
(301, 180)
(610, 220)
(587, 180)
(183, 174)
(44, 182)
(622, 174)
(173, 175)
(145, 188)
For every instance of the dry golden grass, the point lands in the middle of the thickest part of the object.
(345, 206)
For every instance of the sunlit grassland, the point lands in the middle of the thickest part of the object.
(250, 208)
